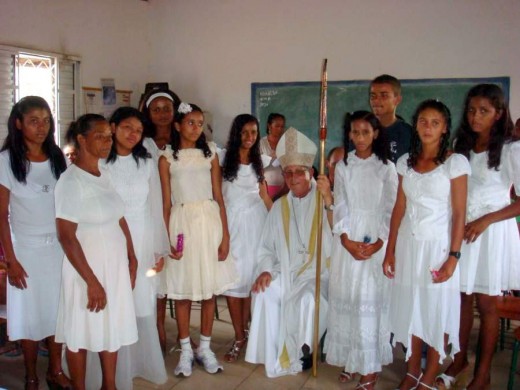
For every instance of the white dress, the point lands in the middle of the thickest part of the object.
(246, 214)
(273, 171)
(492, 262)
(93, 204)
(418, 306)
(139, 187)
(358, 335)
(198, 275)
(31, 312)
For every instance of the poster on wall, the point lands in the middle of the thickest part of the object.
(94, 100)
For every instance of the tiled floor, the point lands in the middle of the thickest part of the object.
(245, 376)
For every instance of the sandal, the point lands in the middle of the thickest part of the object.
(447, 380)
(58, 381)
(417, 380)
(426, 386)
(364, 386)
(234, 352)
(345, 377)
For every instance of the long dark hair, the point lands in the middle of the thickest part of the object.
(232, 159)
(501, 132)
(176, 138)
(149, 127)
(415, 143)
(380, 145)
(82, 126)
(138, 151)
(17, 148)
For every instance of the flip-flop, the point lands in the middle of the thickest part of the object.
(447, 380)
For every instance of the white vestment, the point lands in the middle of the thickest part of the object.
(283, 316)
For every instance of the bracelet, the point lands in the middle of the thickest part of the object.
(455, 254)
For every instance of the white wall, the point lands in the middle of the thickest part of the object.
(111, 36)
(218, 48)
(210, 51)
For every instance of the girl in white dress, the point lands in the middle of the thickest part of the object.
(158, 107)
(247, 203)
(490, 259)
(199, 237)
(136, 179)
(426, 232)
(30, 165)
(358, 337)
(96, 311)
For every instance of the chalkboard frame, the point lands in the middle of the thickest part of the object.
(256, 87)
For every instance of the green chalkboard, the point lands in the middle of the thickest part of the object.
(299, 101)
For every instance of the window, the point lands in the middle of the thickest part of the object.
(54, 77)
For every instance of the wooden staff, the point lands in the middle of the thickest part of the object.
(323, 137)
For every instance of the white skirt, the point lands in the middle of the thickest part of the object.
(32, 312)
(198, 275)
(492, 263)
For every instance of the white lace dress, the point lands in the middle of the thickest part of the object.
(418, 306)
(198, 275)
(246, 214)
(492, 263)
(358, 335)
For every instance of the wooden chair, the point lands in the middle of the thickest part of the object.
(508, 308)
(171, 304)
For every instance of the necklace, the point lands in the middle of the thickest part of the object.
(303, 250)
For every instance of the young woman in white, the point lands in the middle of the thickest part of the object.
(358, 336)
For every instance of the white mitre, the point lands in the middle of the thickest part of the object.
(295, 148)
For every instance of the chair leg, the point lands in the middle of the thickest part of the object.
(514, 361)
(217, 316)
(170, 304)
(502, 332)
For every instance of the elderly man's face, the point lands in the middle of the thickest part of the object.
(298, 179)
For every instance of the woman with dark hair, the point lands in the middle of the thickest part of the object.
(30, 165)
(273, 174)
(158, 107)
(490, 261)
(364, 195)
(247, 203)
(426, 232)
(96, 311)
(136, 179)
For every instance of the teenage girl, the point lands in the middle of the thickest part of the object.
(30, 165)
(273, 174)
(365, 191)
(136, 179)
(247, 203)
(158, 107)
(199, 236)
(490, 259)
(426, 232)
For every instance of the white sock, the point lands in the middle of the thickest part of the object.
(185, 344)
(204, 342)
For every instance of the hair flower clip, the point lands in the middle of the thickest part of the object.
(185, 108)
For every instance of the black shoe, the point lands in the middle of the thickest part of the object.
(306, 362)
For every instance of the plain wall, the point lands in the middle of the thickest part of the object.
(210, 51)
(218, 48)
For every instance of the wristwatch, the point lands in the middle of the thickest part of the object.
(329, 207)
(454, 254)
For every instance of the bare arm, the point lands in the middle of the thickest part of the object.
(15, 272)
(262, 190)
(164, 176)
(132, 259)
(395, 222)
(216, 183)
(459, 192)
(96, 296)
(475, 228)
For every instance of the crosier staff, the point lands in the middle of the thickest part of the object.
(323, 137)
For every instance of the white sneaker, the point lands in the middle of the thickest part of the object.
(207, 358)
(185, 365)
